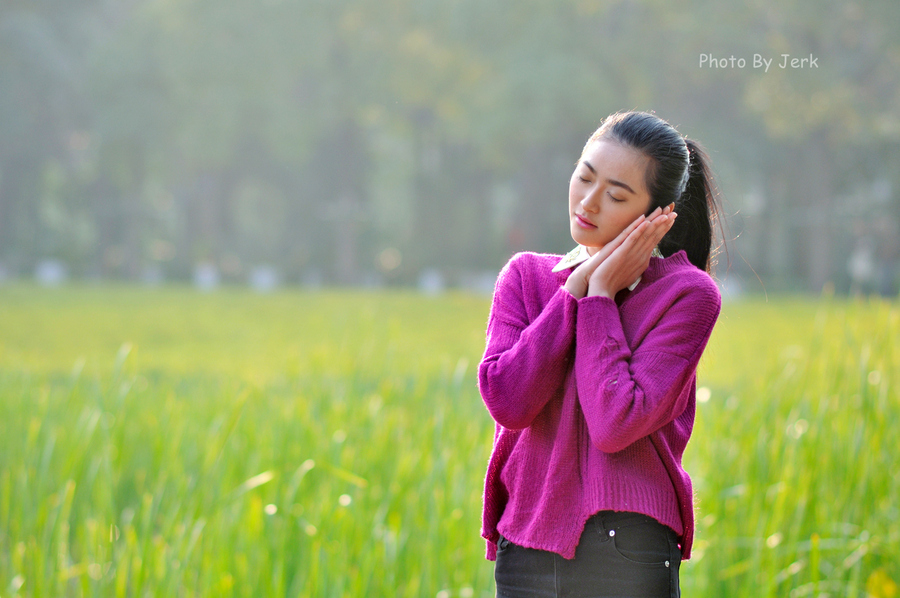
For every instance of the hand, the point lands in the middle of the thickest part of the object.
(577, 282)
(630, 257)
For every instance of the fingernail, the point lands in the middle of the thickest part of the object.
(671, 206)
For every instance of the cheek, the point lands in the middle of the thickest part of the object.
(623, 219)
(573, 195)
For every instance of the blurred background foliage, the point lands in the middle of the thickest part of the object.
(366, 142)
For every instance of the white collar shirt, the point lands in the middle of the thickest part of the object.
(580, 254)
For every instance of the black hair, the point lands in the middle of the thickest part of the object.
(678, 172)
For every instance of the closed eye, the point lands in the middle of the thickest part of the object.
(614, 198)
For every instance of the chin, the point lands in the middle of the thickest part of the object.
(582, 239)
(578, 235)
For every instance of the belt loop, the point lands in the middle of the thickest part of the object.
(601, 526)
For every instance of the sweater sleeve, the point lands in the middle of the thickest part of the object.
(625, 392)
(525, 360)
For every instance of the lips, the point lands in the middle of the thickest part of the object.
(584, 222)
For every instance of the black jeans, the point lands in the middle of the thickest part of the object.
(619, 554)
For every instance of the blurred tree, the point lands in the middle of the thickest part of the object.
(41, 105)
(316, 135)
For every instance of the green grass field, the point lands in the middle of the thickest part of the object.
(167, 442)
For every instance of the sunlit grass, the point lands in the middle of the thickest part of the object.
(794, 455)
(173, 443)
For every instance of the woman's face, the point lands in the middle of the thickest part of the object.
(606, 193)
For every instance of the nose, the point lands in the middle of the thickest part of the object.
(591, 202)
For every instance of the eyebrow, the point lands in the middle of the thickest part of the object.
(610, 181)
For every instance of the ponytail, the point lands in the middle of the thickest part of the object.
(698, 212)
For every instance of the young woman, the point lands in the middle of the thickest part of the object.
(589, 372)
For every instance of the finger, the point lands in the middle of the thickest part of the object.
(642, 240)
(639, 221)
(638, 239)
(663, 214)
(664, 220)
(649, 232)
(661, 225)
(662, 229)
(607, 249)
(634, 251)
(639, 233)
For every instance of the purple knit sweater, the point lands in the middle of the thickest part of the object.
(593, 400)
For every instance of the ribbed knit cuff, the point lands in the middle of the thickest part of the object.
(598, 316)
